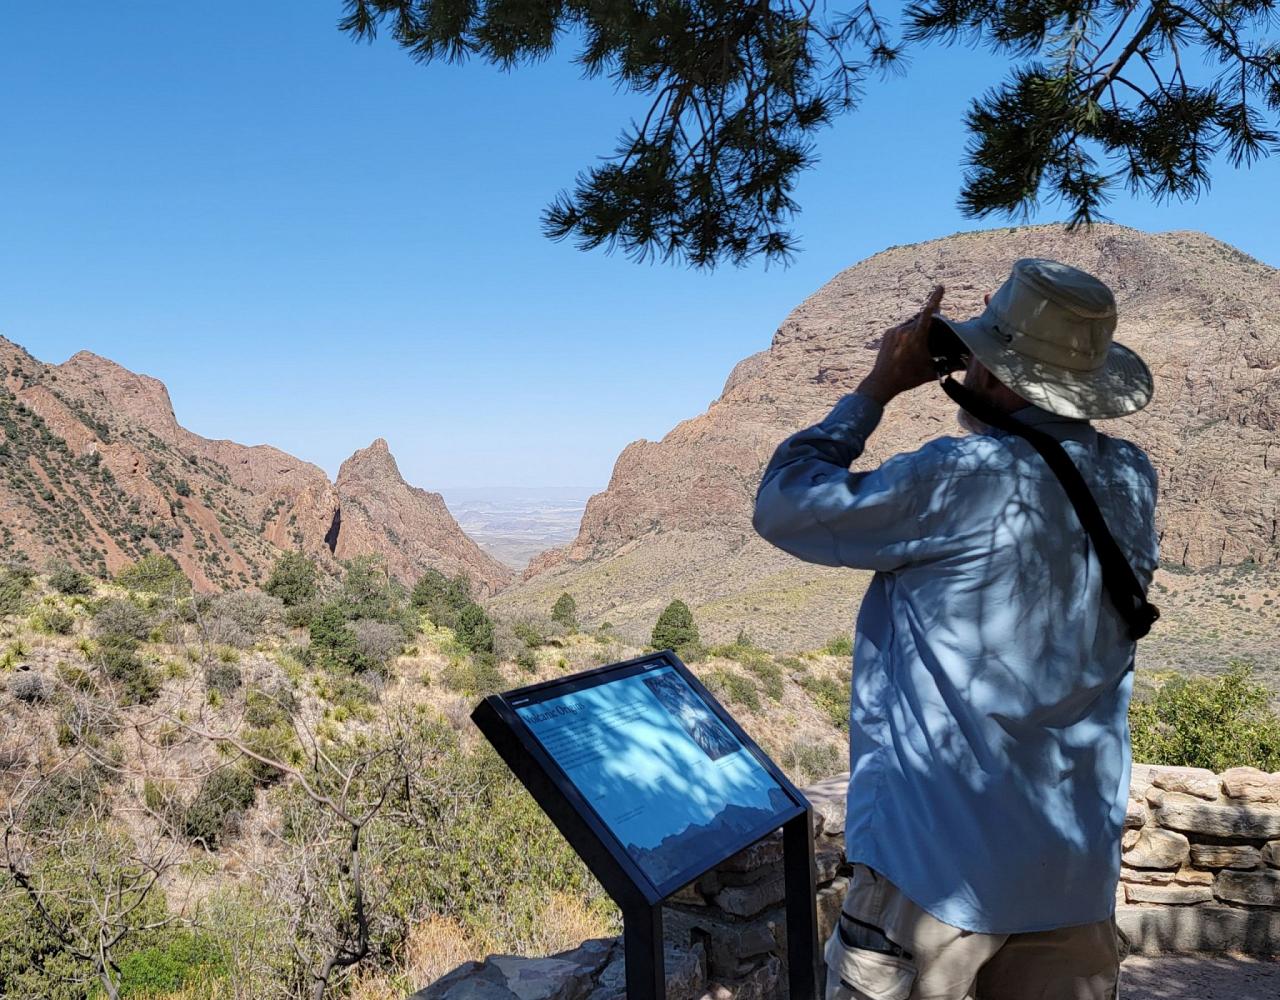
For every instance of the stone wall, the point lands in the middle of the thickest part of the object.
(1201, 861)
(1201, 873)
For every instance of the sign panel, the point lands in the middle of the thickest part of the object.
(672, 781)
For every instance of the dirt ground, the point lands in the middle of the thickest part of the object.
(1186, 978)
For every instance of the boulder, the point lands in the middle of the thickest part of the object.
(1241, 856)
(1248, 784)
(569, 975)
(1158, 848)
(686, 975)
(1260, 888)
(1136, 814)
(1255, 821)
(1197, 781)
(1271, 854)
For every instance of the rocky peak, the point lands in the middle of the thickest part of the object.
(411, 527)
(374, 463)
(140, 399)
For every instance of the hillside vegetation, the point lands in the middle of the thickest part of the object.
(278, 793)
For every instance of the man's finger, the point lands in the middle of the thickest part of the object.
(930, 306)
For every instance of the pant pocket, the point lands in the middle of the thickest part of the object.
(861, 974)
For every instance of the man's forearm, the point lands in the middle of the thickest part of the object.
(876, 390)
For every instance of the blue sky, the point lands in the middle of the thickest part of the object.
(315, 242)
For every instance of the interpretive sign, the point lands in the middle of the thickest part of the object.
(653, 783)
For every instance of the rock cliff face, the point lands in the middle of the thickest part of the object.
(675, 519)
(380, 512)
(97, 470)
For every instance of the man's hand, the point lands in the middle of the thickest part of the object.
(903, 362)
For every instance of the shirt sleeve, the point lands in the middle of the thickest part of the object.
(811, 505)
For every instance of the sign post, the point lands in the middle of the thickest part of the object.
(653, 784)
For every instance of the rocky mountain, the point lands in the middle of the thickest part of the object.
(675, 520)
(97, 470)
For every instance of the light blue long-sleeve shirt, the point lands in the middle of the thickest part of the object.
(988, 737)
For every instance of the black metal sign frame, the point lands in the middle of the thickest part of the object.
(639, 898)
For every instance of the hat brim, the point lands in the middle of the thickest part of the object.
(1123, 385)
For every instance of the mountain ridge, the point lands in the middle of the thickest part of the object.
(107, 473)
(675, 518)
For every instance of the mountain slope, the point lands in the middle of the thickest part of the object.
(97, 470)
(675, 519)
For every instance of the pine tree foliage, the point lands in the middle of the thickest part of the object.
(1100, 94)
(738, 91)
(1112, 93)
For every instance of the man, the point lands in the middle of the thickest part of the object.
(989, 744)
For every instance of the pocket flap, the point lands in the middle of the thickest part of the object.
(872, 974)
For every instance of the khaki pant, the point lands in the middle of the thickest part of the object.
(891, 949)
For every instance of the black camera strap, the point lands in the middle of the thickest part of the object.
(1117, 575)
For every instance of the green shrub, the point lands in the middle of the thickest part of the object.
(121, 620)
(180, 959)
(442, 600)
(367, 590)
(54, 621)
(66, 579)
(276, 742)
(831, 696)
(475, 629)
(675, 628)
(64, 796)
(138, 683)
(757, 661)
(806, 761)
(333, 644)
(15, 584)
(473, 675)
(1213, 722)
(840, 645)
(735, 689)
(215, 811)
(528, 632)
(224, 678)
(565, 611)
(262, 709)
(293, 579)
(155, 573)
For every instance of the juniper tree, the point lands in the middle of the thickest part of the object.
(565, 611)
(675, 628)
(1099, 94)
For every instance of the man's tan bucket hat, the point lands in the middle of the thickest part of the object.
(1046, 334)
